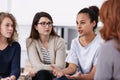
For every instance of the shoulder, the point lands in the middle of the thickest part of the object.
(75, 40)
(99, 38)
(108, 48)
(16, 44)
(56, 39)
(108, 44)
(30, 41)
(98, 41)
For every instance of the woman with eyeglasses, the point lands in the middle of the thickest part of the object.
(9, 48)
(44, 47)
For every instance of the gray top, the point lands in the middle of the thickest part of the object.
(84, 57)
(108, 66)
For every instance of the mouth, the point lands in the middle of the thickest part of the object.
(47, 30)
(10, 33)
(80, 31)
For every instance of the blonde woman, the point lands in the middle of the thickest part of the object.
(9, 48)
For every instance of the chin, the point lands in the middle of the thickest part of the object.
(8, 36)
(80, 34)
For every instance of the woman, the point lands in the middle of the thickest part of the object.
(83, 53)
(108, 66)
(44, 47)
(9, 48)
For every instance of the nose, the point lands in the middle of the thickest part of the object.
(78, 26)
(47, 26)
(10, 27)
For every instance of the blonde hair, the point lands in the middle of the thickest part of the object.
(14, 36)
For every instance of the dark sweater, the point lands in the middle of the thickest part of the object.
(10, 60)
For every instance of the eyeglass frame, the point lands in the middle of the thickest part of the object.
(50, 24)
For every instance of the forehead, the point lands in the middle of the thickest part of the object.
(44, 19)
(82, 16)
(7, 20)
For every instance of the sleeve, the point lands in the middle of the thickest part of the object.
(60, 53)
(0, 77)
(15, 65)
(104, 66)
(72, 57)
(96, 57)
(34, 58)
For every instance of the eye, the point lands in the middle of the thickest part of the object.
(76, 22)
(43, 23)
(49, 23)
(7, 25)
(82, 22)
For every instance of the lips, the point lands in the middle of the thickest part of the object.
(47, 30)
(9, 32)
(80, 31)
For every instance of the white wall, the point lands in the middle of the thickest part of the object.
(63, 11)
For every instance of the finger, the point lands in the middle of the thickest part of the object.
(52, 66)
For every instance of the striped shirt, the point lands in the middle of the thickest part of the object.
(46, 55)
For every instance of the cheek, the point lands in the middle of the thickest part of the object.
(50, 29)
(2, 32)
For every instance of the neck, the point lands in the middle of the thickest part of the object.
(44, 39)
(3, 40)
(85, 40)
(3, 43)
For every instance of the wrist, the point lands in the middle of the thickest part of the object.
(13, 77)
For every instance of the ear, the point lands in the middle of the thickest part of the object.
(93, 23)
(35, 27)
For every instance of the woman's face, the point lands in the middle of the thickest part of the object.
(84, 25)
(44, 26)
(6, 28)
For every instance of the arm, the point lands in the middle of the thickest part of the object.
(15, 65)
(69, 70)
(89, 76)
(9, 78)
(60, 52)
(104, 65)
(80, 76)
(33, 56)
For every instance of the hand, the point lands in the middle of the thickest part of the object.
(7, 78)
(56, 71)
(31, 72)
(75, 76)
(12, 77)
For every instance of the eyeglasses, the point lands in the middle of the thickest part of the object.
(46, 23)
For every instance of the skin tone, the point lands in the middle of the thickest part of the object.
(85, 30)
(6, 31)
(44, 33)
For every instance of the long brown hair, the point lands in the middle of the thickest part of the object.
(110, 16)
(34, 33)
(14, 36)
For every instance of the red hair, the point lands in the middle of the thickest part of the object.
(110, 16)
